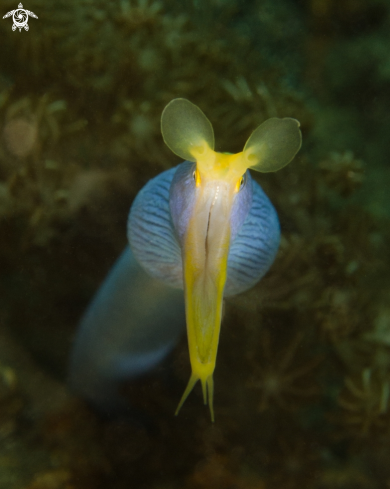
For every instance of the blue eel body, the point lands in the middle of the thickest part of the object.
(138, 313)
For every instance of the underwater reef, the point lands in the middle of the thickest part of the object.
(303, 376)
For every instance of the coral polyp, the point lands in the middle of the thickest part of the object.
(365, 402)
(279, 379)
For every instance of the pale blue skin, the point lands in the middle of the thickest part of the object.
(138, 314)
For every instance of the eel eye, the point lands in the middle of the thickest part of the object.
(196, 177)
(242, 182)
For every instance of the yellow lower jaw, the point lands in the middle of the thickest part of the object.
(204, 373)
(203, 297)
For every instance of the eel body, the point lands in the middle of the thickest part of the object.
(136, 318)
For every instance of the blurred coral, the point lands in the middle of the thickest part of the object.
(342, 172)
(365, 401)
(280, 380)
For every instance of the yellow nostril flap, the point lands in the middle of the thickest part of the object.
(186, 130)
(189, 134)
(272, 145)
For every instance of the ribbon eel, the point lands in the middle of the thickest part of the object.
(205, 227)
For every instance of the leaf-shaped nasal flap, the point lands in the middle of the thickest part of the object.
(186, 130)
(273, 144)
